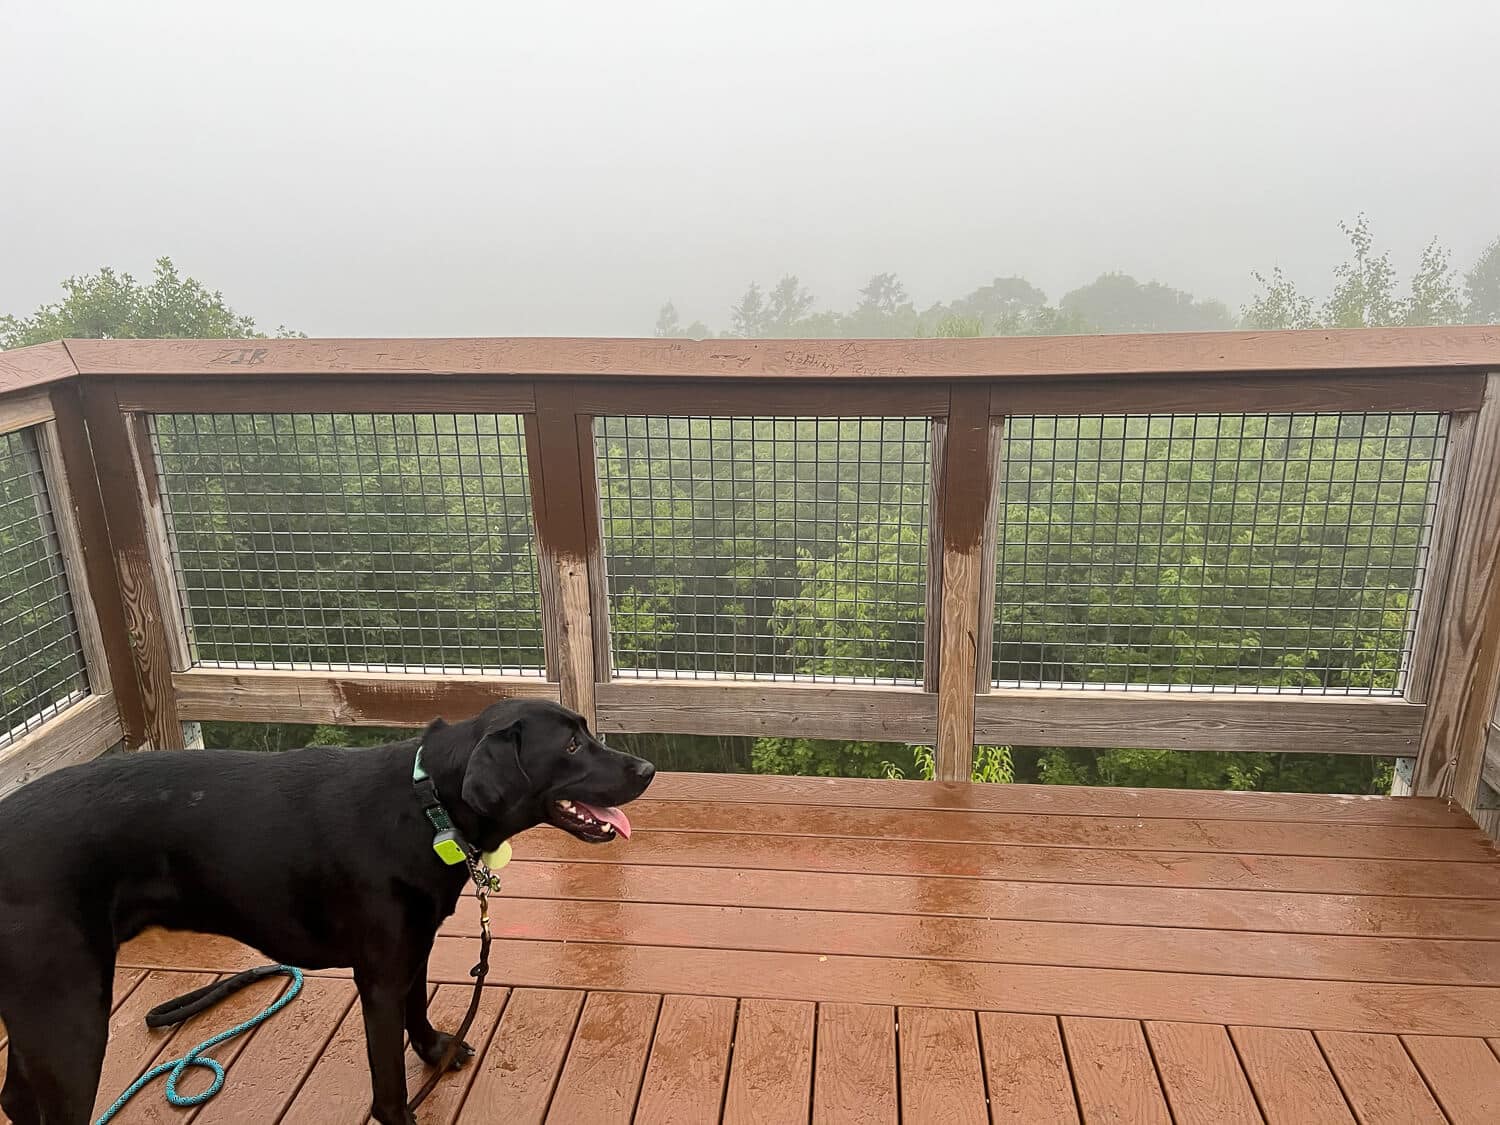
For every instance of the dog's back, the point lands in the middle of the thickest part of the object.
(271, 849)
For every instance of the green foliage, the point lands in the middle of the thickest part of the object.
(369, 527)
(110, 305)
(1180, 769)
(1482, 287)
(1117, 302)
(810, 757)
(1365, 291)
(41, 664)
(274, 737)
(992, 764)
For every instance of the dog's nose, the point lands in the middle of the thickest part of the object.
(644, 770)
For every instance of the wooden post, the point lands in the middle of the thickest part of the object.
(1466, 670)
(98, 555)
(564, 501)
(125, 515)
(59, 501)
(965, 492)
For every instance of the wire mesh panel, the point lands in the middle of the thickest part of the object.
(766, 547)
(42, 666)
(353, 541)
(1252, 552)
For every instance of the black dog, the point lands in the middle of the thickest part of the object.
(317, 858)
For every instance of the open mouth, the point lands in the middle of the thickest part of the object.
(592, 824)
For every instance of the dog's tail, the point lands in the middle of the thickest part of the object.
(189, 1004)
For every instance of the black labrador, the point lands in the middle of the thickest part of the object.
(319, 858)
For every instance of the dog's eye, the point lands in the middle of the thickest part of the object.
(573, 745)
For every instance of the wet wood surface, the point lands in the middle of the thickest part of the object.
(921, 953)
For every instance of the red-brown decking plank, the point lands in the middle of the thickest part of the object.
(446, 1011)
(689, 1061)
(1314, 808)
(1464, 1075)
(601, 1079)
(150, 1106)
(1312, 913)
(854, 1073)
(1043, 989)
(1112, 1072)
(1196, 834)
(942, 1078)
(1308, 956)
(1415, 878)
(1291, 1081)
(270, 1070)
(770, 1074)
(132, 1045)
(175, 949)
(1026, 1071)
(1201, 1074)
(515, 1078)
(1379, 1081)
(337, 1089)
(125, 982)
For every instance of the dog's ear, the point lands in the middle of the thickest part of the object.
(494, 780)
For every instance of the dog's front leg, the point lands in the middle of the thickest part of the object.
(382, 999)
(429, 1044)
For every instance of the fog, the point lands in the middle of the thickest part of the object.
(505, 168)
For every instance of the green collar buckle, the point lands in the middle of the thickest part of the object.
(451, 847)
(447, 841)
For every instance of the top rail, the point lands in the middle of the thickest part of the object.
(1460, 348)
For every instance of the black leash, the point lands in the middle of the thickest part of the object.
(484, 882)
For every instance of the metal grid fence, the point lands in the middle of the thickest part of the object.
(42, 666)
(362, 542)
(1252, 552)
(766, 547)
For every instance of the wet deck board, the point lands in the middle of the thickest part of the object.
(790, 949)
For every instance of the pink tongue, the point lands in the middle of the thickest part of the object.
(610, 815)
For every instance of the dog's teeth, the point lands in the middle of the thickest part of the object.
(565, 804)
(609, 829)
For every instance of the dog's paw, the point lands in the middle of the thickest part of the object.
(432, 1053)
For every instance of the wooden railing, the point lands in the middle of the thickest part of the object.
(92, 409)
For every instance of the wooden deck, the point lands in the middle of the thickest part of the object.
(769, 950)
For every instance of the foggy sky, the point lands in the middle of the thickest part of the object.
(546, 168)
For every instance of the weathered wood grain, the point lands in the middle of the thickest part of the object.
(145, 616)
(82, 732)
(1236, 721)
(1467, 661)
(1317, 350)
(684, 706)
(36, 366)
(81, 473)
(243, 695)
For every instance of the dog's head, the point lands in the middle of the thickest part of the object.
(535, 762)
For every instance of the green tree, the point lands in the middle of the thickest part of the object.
(750, 318)
(1364, 287)
(884, 310)
(1279, 305)
(669, 326)
(1117, 302)
(110, 305)
(1365, 291)
(1482, 287)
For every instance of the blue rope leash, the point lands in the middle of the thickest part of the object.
(174, 1069)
